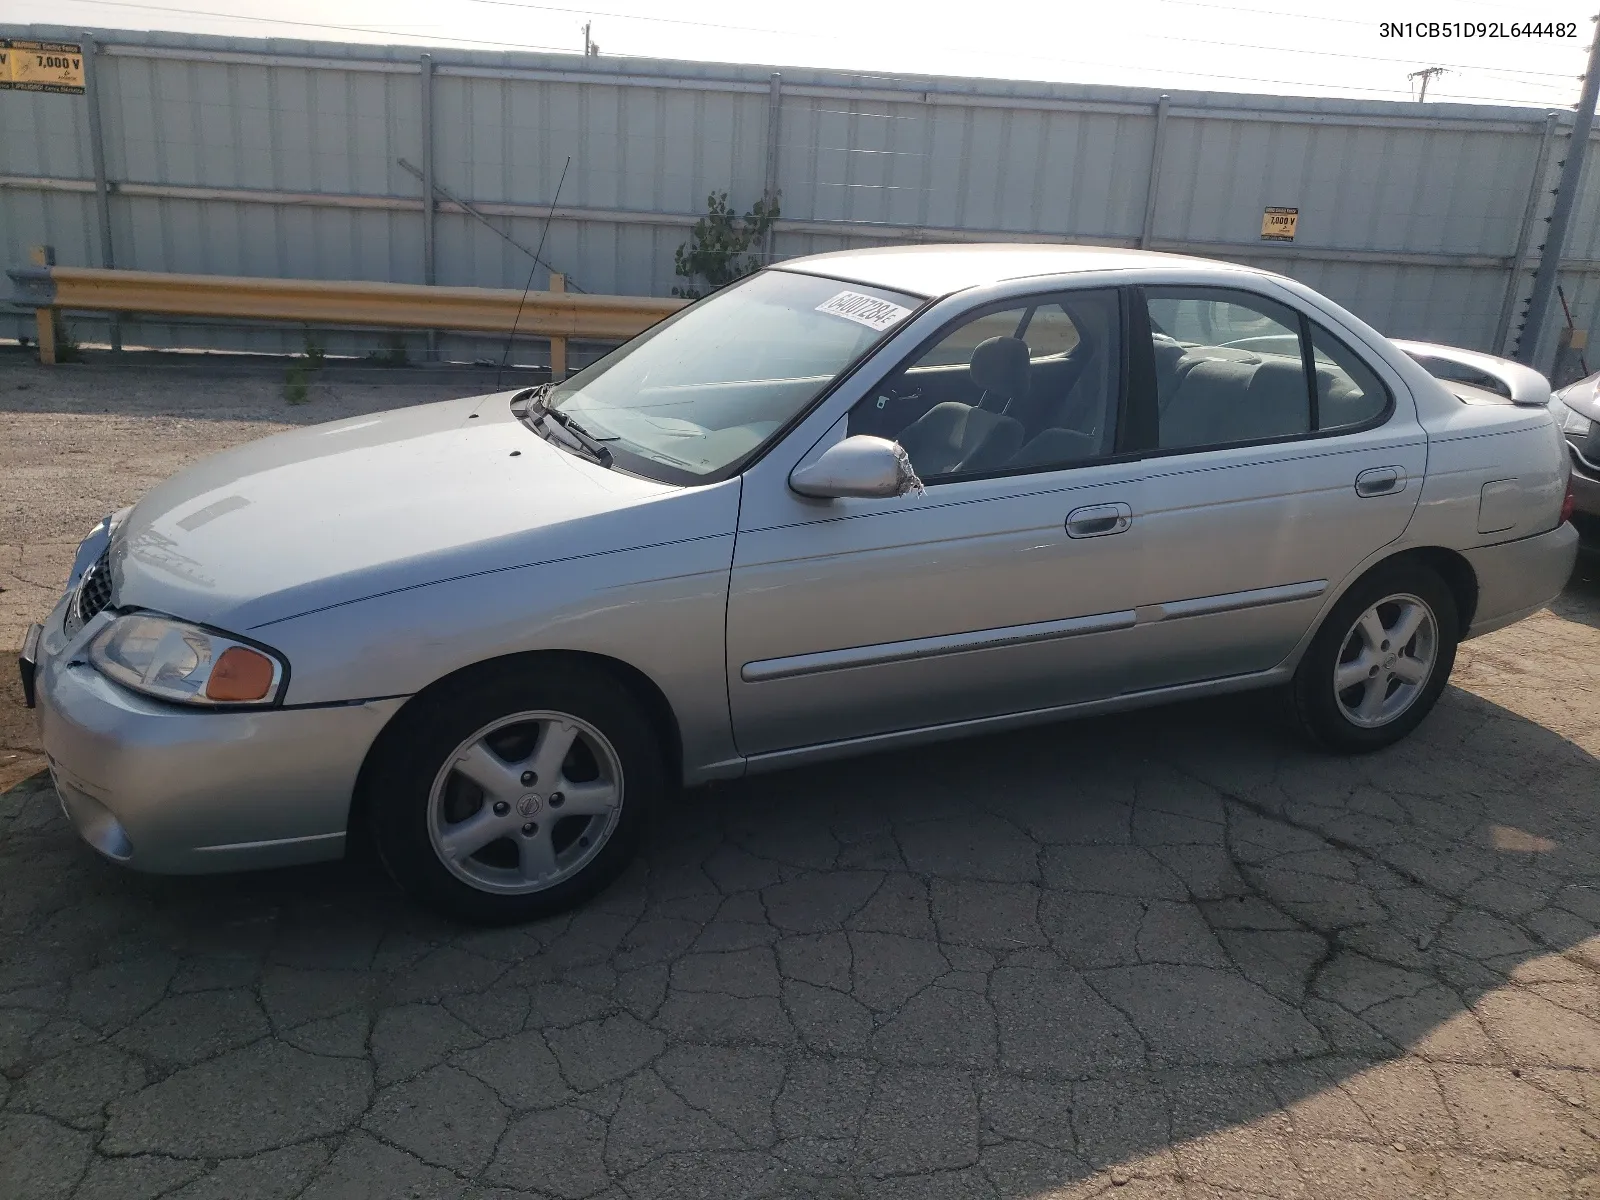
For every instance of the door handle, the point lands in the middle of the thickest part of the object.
(1380, 481)
(1099, 520)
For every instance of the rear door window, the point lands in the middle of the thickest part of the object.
(1229, 368)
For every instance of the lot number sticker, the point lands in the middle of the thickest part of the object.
(863, 310)
(28, 66)
(1277, 224)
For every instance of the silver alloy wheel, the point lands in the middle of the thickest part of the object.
(525, 802)
(1386, 660)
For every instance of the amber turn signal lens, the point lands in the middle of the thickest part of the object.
(240, 675)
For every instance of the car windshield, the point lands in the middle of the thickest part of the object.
(706, 387)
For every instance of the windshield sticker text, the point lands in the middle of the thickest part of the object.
(863, 309)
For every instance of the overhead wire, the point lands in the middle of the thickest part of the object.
(1055, 60)
(200, 12)
(834, 37)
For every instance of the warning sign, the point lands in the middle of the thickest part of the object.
(27, 66)
(1277, 224)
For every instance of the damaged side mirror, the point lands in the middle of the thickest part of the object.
(862, 465)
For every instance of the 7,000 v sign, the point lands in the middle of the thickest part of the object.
(41, 66)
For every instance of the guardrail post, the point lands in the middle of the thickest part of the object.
(558, 345)
(45, 318)
(97, 152)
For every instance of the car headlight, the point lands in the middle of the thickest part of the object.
(1570, 420)
(173, 660)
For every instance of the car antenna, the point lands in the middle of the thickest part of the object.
(550, 216)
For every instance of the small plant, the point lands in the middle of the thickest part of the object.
(393, 353)
(717, 251)
(315, 354)
(68, 348)
(296, 380)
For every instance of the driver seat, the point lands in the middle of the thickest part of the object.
(952, 436)
(1001, 371)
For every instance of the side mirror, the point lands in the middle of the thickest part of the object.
(858, 466)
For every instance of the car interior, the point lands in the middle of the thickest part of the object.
(1026, 387)
(1228, 372)
(1035, 386)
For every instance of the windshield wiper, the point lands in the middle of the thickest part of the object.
(525, 405)
(586, 440)
(533, 409)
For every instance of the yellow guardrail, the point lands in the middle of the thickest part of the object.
(555, 314)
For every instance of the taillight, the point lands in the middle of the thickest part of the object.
(1568, 502)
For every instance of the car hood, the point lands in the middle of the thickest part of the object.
(334, 513)
(1583, 397)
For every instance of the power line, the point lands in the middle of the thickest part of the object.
(1378, 58)
(1051, 59)
(1265, 12)
(838, 38)
(200, 12)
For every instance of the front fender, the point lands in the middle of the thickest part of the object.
(660, 609)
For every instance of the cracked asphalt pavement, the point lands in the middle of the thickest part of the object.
(1167, 954)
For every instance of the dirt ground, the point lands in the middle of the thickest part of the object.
(1172, 955)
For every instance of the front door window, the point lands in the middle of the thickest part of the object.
(1031, 386)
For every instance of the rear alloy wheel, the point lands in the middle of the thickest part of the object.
(1380, 660)
(511, 797)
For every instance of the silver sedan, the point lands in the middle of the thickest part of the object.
(857, 501)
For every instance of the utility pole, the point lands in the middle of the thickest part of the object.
(1555, 242)
(1425, 74)
(591, 48)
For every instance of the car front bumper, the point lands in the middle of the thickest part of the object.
(171, 790)
(1517, 579)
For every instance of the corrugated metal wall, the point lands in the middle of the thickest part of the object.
(271, 158)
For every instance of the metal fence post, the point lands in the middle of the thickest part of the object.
(1555, 242)
(429, 203)
(1153, 189)
(774, 128)
(97, 152)
(558, 345)
(1519, 260)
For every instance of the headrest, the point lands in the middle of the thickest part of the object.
(1279, 373)
(1167, 350)
(1000, 367)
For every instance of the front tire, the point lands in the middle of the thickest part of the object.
(515, 792)
(1379, 662)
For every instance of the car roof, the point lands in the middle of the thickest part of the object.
(938, 270)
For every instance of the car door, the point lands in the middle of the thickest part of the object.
(1006, 586)
(1280, 460)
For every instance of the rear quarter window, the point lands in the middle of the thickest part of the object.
(1349, 393)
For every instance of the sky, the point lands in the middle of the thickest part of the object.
(1284, 47)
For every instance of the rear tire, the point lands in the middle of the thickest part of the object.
(1380, 660)
(514, 792)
